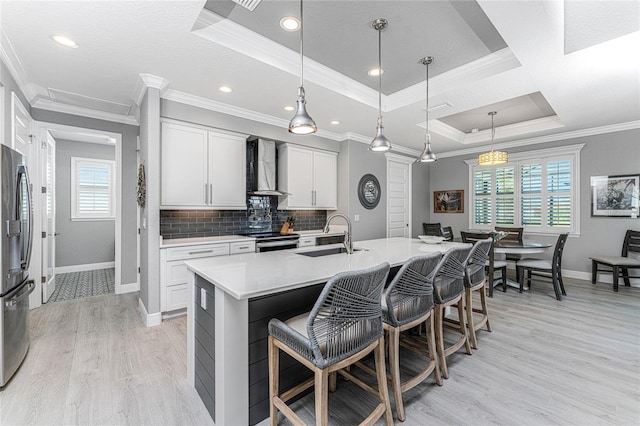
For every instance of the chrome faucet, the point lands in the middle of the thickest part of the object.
(348, 243)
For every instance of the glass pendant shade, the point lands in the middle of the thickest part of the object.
(493, 158)
(302, 123)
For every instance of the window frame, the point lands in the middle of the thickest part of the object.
(516, 160)
(77, 162)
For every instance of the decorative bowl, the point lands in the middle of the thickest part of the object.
(431, 239)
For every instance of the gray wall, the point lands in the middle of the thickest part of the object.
(80, 242)
(129, 175)
(607, 154)
(373, 223)
(420, 206)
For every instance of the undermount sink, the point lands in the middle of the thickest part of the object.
(327, 252)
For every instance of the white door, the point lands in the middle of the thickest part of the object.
(398, 196)
(48, 214)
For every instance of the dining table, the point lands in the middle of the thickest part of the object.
(523, 248)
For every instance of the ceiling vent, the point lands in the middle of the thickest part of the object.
(74, 99)
(248, 4)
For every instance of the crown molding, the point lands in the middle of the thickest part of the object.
(144, 82)
(15, 67)
(49, 105)
(515, 129)
(540, 153)
(630, 125)
(449, 132)
(200, 102)
(489, 65)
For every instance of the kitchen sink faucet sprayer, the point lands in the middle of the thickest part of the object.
(348, 243)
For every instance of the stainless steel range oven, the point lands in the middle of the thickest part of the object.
(272, 241)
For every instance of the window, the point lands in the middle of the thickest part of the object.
(538, 190)
(92, 188)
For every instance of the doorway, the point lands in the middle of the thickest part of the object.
(398, 196)
(81, 255)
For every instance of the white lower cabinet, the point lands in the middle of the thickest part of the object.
(174, 291)
(306, 241)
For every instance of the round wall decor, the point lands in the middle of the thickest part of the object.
(369, 191)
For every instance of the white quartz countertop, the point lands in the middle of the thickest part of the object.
(318, 233)
(250, 275)
(178, 242)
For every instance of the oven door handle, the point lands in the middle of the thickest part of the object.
(277, 243)
(31, 285)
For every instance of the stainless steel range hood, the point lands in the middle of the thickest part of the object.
(262, 171)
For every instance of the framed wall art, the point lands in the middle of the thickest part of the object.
(615, 196)
(369, 191)
(450, 201)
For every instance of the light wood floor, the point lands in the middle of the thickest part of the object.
(92, 362)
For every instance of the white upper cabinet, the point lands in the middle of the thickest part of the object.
(202, 168)
(309, 177)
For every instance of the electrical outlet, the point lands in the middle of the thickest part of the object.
(356, 218)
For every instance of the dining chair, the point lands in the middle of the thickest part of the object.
(432, 229)
(344, 326)
(545, 268)
(514, 234)
(619, 265)
(447, 233)
(407, 303)
(492, 264)
(448, 289)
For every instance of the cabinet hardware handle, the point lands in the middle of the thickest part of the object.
(243, 247)
(210, 193)
(201, 251)
(206, 194)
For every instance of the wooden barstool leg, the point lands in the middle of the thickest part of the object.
(394, 366)
(383, 390)
(468, 294)
(322, 396)
(431, 347)
(439, 311)
(485, 310)
(463, 326)
(274, 377)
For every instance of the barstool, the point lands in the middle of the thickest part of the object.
(408, 302)
(344, 326)
(475, 281)
(448, 288)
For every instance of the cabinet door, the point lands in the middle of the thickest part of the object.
(299, 178)
(183, 165)
(325, 171)
(227, 171)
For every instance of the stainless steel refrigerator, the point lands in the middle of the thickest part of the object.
(16, 227)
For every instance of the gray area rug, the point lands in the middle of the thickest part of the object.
(76, 285)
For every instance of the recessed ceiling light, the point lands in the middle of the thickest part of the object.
(65, 41)
(335, 122)
(290, 23)
(289, 108)
(374, 72)
(226, 89)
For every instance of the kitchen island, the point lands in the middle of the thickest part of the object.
(233, 299)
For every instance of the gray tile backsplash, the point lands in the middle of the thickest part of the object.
(259, 215)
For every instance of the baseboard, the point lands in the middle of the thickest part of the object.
(603, 277)
(85, 267)
(149, 320)
(127, 288)
(173, 314)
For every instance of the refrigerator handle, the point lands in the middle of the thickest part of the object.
(31, 285)
(22, 170)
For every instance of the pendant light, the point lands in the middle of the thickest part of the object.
(492, 158)
(380, 143)
(302, 123)
(427, 156)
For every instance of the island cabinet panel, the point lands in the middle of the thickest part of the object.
(205, 344)
(283, 306)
